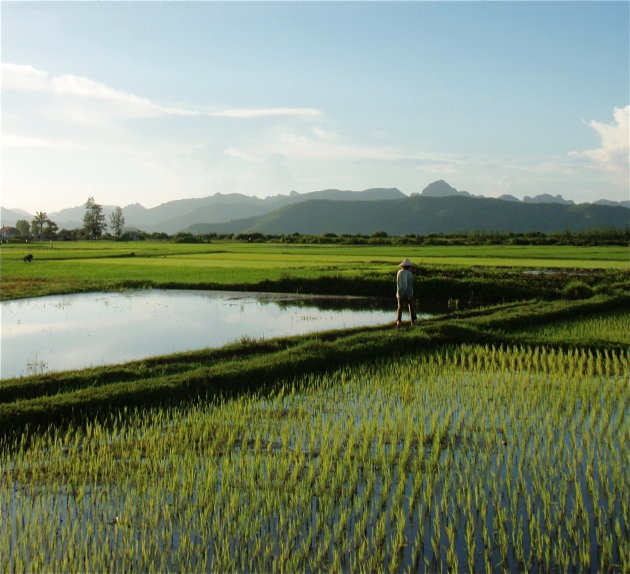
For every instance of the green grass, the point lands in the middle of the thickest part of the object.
(102, 265)
(511, 255)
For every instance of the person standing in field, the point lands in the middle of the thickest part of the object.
(404, 291)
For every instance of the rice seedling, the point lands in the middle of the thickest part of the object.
(610, 327)
(475, 458)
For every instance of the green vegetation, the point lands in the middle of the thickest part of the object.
(612, 328)
(490, 438)
(469, 458)
(255, 365)
(483, 273)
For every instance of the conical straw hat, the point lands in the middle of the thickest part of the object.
(406, 263)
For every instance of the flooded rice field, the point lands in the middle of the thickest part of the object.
(468, 459)
(46, 334)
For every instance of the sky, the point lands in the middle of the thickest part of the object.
(149, 102)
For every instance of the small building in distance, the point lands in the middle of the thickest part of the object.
(8, 232)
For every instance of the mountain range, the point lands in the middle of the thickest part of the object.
(424, 215)
(439, 208)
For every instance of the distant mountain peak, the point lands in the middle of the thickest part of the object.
(439, 188)
(548, 198)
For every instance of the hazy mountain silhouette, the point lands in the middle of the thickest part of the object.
(442, 189)
(220, 208)
(175, 216)
(424, 215)
(198, 213)
(11, 216)
(547, 198)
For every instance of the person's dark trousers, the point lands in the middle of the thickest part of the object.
(410, 304)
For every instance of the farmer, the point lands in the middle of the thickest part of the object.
(404, 291)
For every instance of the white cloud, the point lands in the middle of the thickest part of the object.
(21, 78)
(10, 140)
(53, 120)
(265, 113)
(322, 134)
(24, 78)
(321, 145)
(614, 153)
(326, 147)
(236, 153)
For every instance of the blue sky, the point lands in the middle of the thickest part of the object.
(155, 101)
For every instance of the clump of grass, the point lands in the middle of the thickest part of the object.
(249, 340)
(36, 366)
(577, 290)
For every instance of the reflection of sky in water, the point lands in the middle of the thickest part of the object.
(76, 331)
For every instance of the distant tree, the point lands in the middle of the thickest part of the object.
(23, 227)
(51, 229)
(93, 221)
(117, 221)
(135, 235)
(38, 222)
(186, 237)
(68, 234)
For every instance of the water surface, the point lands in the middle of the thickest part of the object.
(77, 331)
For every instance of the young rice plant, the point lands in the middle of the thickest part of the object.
(475, 458)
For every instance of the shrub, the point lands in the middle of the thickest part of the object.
(186, 237)
(577, 290)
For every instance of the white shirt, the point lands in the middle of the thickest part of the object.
(404, 283)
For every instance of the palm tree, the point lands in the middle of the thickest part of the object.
(40, 219)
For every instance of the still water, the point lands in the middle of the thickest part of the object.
(46, 334)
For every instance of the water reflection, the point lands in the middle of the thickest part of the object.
(77, 331)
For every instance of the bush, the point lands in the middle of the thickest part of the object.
(186, 237)
(577, 290)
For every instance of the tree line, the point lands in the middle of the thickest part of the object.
(95, 226)
(595, 237)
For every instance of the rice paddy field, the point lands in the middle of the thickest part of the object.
(490, 439)
(610, 328)
(469, 458)
(67, 267)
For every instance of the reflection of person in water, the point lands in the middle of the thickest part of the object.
(404, 291)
